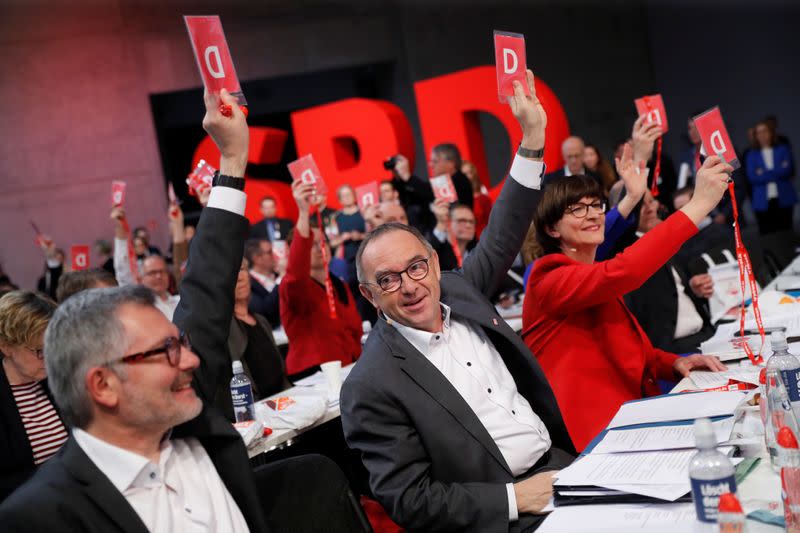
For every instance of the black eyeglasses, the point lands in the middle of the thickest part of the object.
(38, 352)
(580, 210)
(391, 281)
(172, 347)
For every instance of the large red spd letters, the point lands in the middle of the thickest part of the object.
(351, 138)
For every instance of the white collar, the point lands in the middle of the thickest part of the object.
(120, 466)
(421, 340)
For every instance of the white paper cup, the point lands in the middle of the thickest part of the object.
(332, 371)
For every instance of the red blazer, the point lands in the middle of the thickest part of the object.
(481, 207)
(315, 338)
(591, 348)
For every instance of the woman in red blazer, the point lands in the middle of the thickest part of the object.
(314, 337)
(591, 348)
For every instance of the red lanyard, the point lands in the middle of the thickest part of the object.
(131, 252)
(454, 246)
(325, 261)
(746, 267)
(659, 142)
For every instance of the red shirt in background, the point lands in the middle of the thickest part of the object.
(315, 338)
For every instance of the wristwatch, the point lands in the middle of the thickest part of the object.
(531, 154)
(227, 181)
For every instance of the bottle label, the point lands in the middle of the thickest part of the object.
(706, 493)
(791, 378)
(242, 396)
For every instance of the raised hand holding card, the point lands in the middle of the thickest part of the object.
(509, 54)
(214, 57)
(714, 135)
(306, 170)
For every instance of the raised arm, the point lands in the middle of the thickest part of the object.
(206, 305)
(576, 286)
(501, 240)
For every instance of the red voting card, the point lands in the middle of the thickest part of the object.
(443, 188)
(653, 107)
(80, 256)
(118, 193)
(280, 250)
(509, 56)
(715, 137)
(213, 56)
(200, 179)
(305, 170)
(367, 195)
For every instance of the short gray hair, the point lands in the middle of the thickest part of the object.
(85, 332)
(382, 230)
(449, 152)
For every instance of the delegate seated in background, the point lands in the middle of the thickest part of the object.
(592, 350)
(251, 342)
(315, 337)
(31, 429)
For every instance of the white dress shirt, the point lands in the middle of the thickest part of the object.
(769, 161)
(183, 492)
(470, 362)
(168, 305)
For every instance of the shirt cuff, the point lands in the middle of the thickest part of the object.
(513, 513)
(227, 198)
(527, 172)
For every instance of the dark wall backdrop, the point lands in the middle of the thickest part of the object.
(77, 80)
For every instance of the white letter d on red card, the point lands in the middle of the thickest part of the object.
(508, 53)
(218, 72)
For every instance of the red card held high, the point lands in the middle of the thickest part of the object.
(443, 188)
(306, 170)
(367, 194)
(509, 56)
(80, 256)
(653, 107)
(213, 56)
(118, 193)
(716, 140)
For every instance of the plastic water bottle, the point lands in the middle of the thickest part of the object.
(779, 413)
(789, 367)
(366, 327)
(731, 517)
(241, 394)
(790, 479)
(711, 473)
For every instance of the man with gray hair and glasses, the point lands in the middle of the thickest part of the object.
(145, 453)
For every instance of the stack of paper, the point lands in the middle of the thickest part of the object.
(623, 518)
(706, 380)
(644, 454)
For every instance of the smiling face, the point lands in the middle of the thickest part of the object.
(416, 302)
(153, 396)
(576, 232)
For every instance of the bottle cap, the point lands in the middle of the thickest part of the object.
(237, 367)
(762, 376)
(778, 340)
(704, 437)
(728, 503)
(786, 438)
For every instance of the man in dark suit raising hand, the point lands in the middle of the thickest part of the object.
(456, 423)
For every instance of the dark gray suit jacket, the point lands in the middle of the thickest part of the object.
(432, 464)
